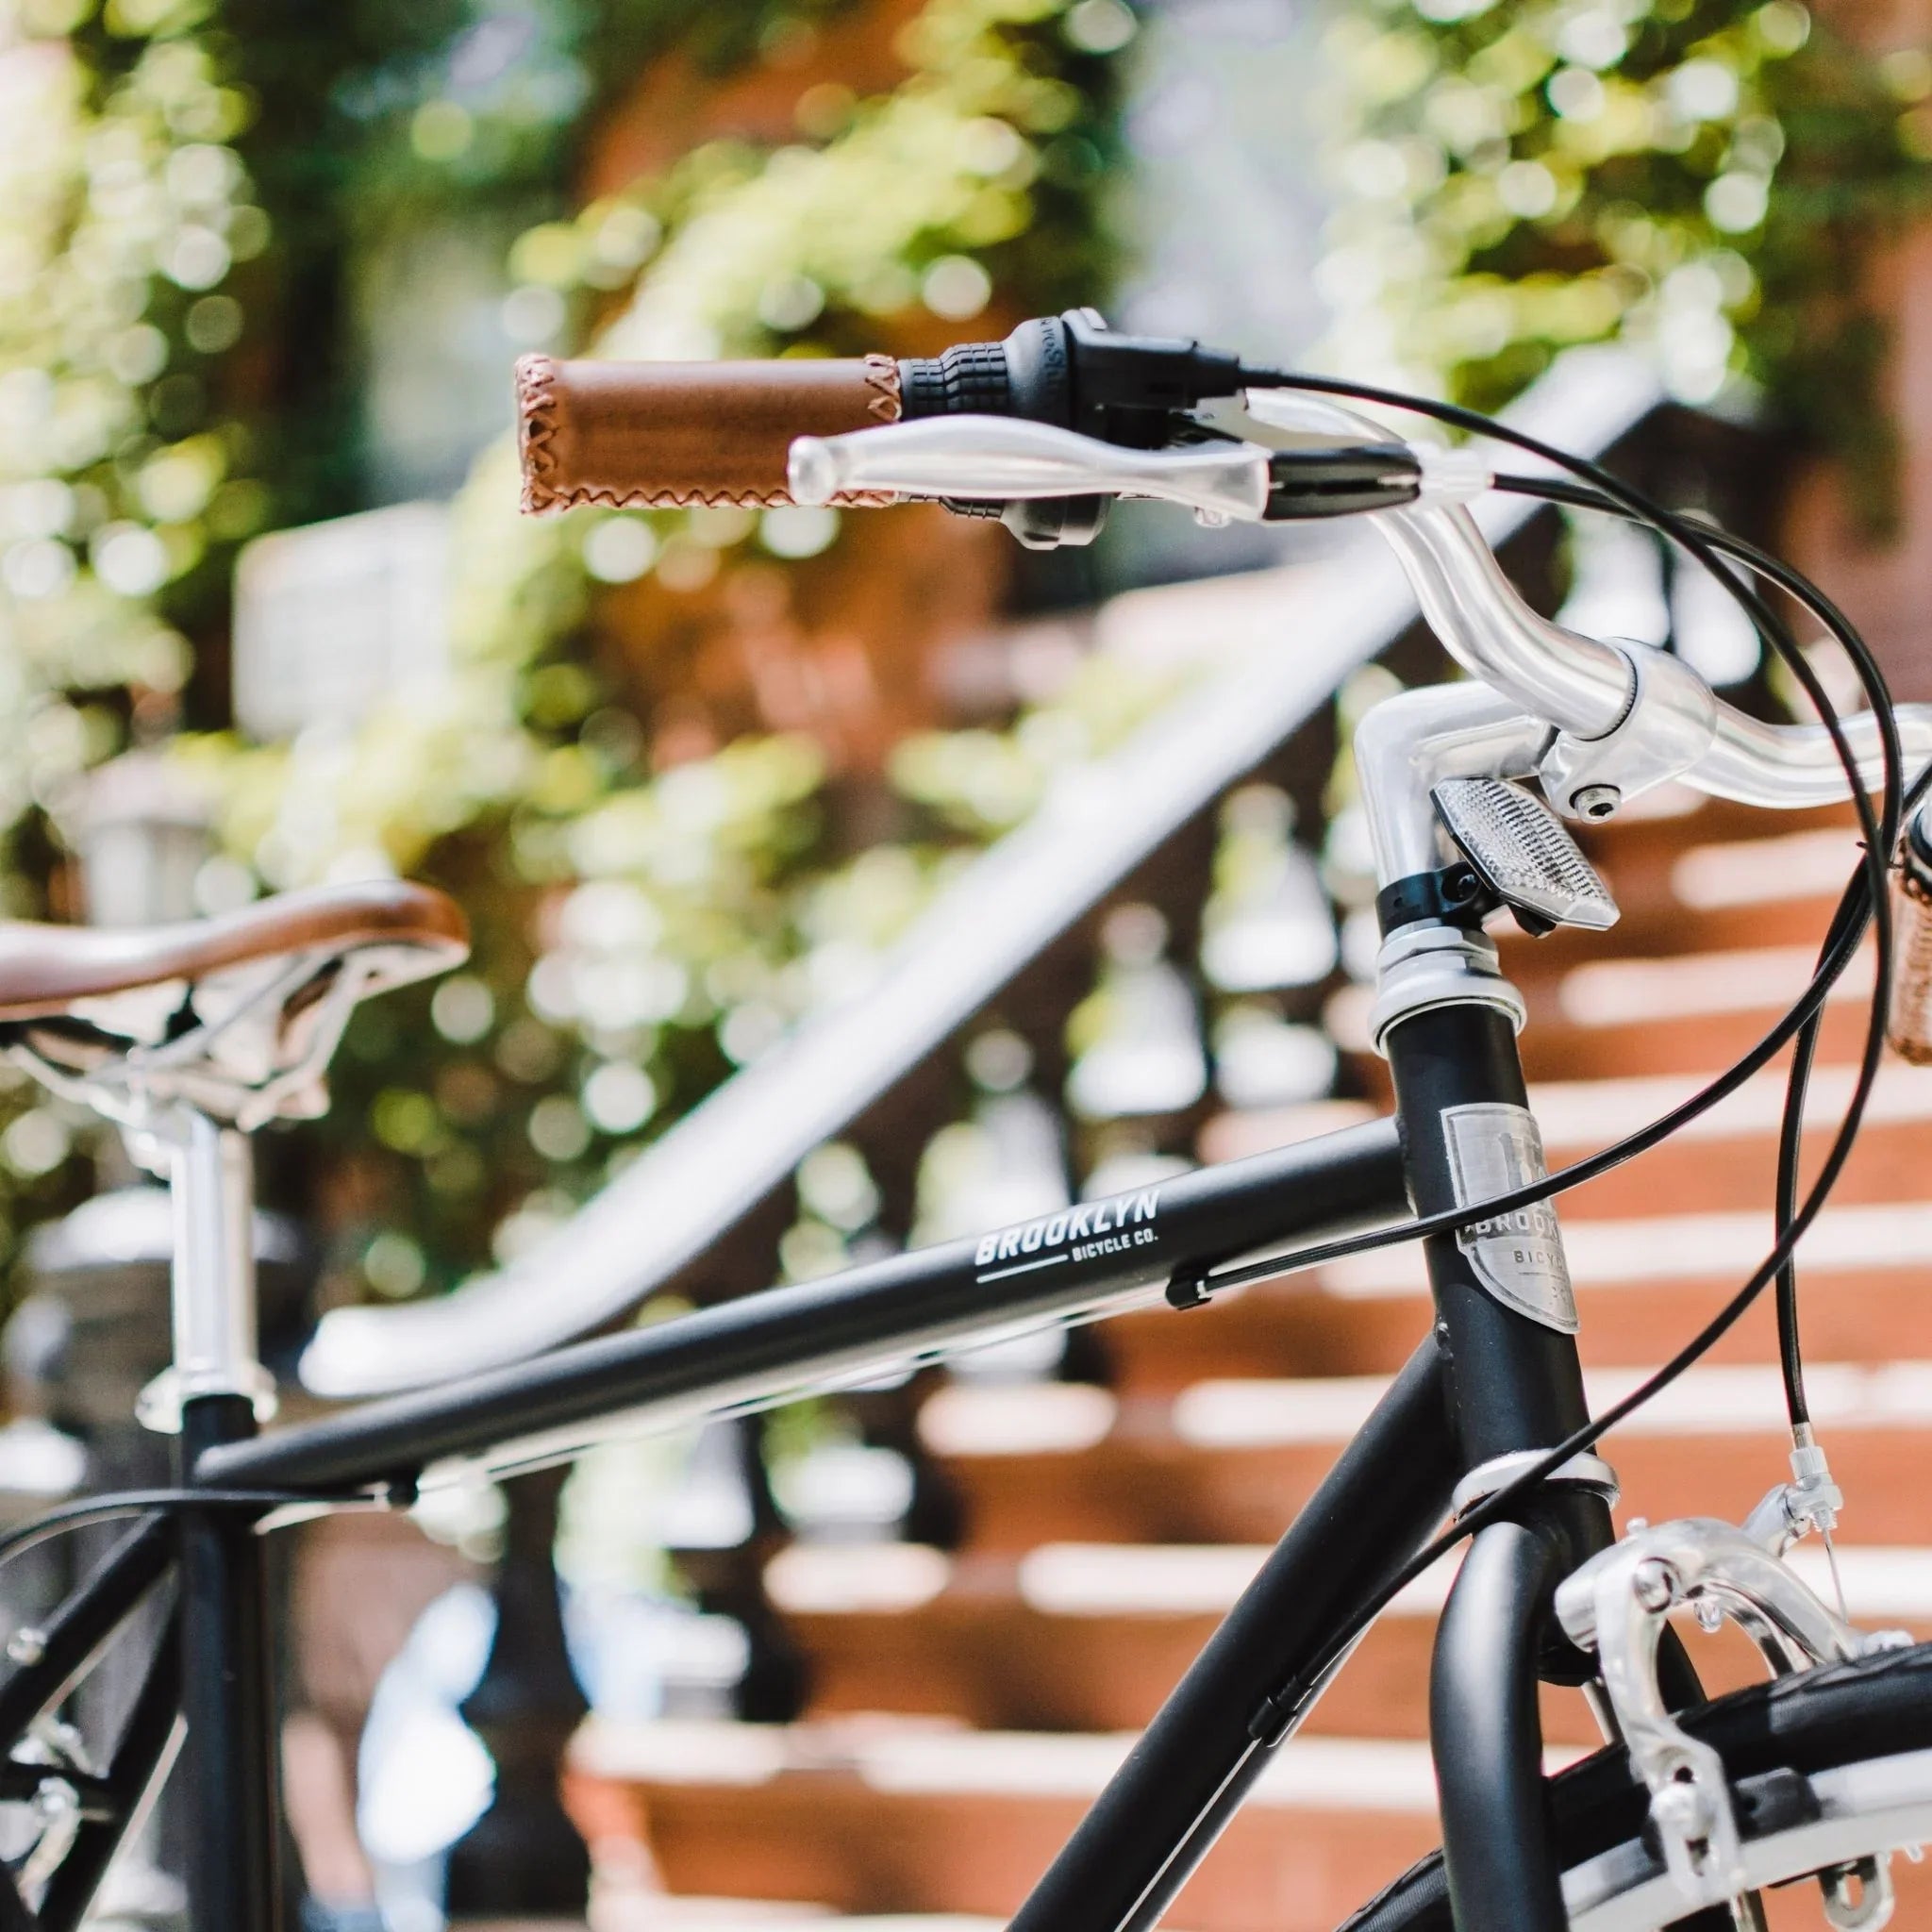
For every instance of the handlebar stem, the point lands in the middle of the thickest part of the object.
(1408, 745)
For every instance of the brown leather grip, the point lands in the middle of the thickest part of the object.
(677, 435)
(1908, 1023)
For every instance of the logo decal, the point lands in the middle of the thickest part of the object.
(1517, 1256)
(1086, 1233)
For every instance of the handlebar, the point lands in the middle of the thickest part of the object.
(1581, 685)
(1626, 715)
(1587, 689)
(669, 435)
(1001, 424)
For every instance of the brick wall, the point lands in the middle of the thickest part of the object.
(1886, 588)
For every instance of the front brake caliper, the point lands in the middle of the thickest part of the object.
(1617, 1605)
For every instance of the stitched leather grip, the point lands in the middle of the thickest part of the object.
(1908, 1025)
(675, 435)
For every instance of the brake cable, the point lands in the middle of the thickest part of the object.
(1790, 1134)
(1880, 832)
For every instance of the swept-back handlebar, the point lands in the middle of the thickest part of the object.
(1000, 425)
(1582, 687)
(1622, 718)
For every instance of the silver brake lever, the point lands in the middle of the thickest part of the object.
(1002, 457)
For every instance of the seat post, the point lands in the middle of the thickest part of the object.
(213, 1392)
(210, 1174)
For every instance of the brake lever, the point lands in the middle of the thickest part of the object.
(1219, 478)
(1003, 457)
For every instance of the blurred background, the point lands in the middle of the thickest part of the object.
(268, 616)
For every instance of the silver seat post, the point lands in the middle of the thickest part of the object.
(210, 1174)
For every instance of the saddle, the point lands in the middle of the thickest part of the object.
(235, 1016)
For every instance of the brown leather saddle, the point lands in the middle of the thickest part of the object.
(235, 1016)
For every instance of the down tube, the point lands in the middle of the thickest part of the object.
(1162, 1810)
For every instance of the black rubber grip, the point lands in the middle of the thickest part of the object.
(969, 379)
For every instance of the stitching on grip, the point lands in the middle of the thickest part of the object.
(536, 378)
(536, 407)
(882, 379)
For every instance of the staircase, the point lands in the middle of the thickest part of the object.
(965, 1705)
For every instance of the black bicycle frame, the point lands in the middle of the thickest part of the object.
(1486, 1382)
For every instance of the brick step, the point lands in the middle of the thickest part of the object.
(1091, 1637)
(1643, 1287)
(1231, 1461)
(1607, 994)
(881, 1815)
(1615, 1018)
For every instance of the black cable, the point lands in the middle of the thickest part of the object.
(1693, 537)
(1804, 1052)
(1642, 1141)
(1880, 834)
(1840, 948)
(113, 1505)
(1791, 1128)
(1790, 1142)
(1610, 492)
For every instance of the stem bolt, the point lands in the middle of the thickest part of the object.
(1596, 801)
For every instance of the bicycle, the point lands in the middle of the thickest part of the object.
(192, 1037)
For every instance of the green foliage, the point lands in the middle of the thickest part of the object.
(126, 215)
(189, 187)
(1703, 176)
(640, 933)
(125, 208)
(982, 782)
